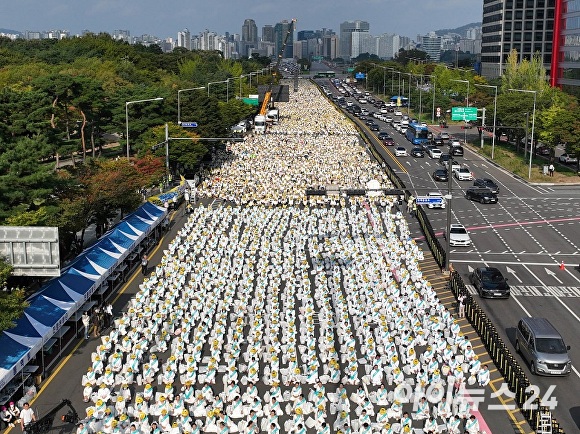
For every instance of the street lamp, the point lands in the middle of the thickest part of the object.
(179, 101)
(409, 100)
(464, 81)
(214, 82)
(432, 77)
(494, 116)
(535, 92)
(127, 116)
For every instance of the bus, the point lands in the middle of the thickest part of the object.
(417, 134)
(323, 74)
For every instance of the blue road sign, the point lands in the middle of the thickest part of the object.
(189, 124)
(425, 200)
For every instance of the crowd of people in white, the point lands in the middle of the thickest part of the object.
(284, 315)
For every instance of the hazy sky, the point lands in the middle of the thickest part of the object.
(164, 18)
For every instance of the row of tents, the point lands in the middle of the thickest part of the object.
(51, 307)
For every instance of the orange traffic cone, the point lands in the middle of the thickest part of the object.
(562, 267)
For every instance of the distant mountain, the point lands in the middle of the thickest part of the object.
(12, 32)
(459, 30)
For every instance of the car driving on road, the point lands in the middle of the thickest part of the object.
(440, 175)
(417, 152)
(437, 196)
(489, 282)
(481, 195)
(400, 151)
(458, 235)
(567, 159)
(463, 174)
(487, 183)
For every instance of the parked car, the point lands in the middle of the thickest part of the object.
(417, 152)
(440, 175)
(489, 282)
(481, 195)
(463, 174)
(458, 235)
(400, 151)
(436, 195)
(567, 159)
(487, 183)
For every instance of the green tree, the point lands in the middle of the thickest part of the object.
(12, 300)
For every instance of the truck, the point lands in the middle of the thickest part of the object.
(260, 124)
(272, 116)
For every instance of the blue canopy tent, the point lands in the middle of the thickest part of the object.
(61, 297)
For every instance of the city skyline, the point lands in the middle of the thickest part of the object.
(165, 19)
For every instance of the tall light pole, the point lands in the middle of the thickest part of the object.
(464, 81)
(432, 77)
(179, 100)
(535, 92)
(214, 82)
(127, 104)
(494, 114)
(409, 100)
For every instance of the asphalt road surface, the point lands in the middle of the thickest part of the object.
(531, 235)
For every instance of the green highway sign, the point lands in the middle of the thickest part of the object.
(463, 113)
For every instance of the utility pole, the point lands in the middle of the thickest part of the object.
(482, 125)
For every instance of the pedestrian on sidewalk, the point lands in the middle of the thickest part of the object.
(144, 264)
(86, 319)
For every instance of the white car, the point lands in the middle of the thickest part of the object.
(463, 174)
(458, 235)
(435, 153)
(398, 113)
(436, 195)
(400, 152)
(567, 158)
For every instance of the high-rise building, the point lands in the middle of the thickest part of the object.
(349, 32)
(122, 35)
(330, 46)
(280, 31)
(431, 44)
(249, 31)
(524, 25)
(565, 65)
(268, 33)
(184, 39)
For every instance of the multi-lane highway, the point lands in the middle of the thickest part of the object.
(531, 235)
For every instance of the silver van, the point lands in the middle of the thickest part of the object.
(540, 344)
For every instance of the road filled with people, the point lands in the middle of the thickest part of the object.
(274, 311)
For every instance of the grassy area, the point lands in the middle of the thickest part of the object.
(506, 157)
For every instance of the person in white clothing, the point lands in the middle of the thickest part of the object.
(26, 416)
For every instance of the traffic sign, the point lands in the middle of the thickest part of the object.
(189, 124)
(464, 113)
(425, 200)
(438, 112)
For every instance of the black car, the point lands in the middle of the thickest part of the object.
(383, 135)
(456, 151)
(370, 122)
(481, 195)
(374, 127)
(437, 141)
(441, 175)
(486, 183)
(417, 152)
(489, 282)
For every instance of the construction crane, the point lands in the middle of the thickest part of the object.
(268, 93)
